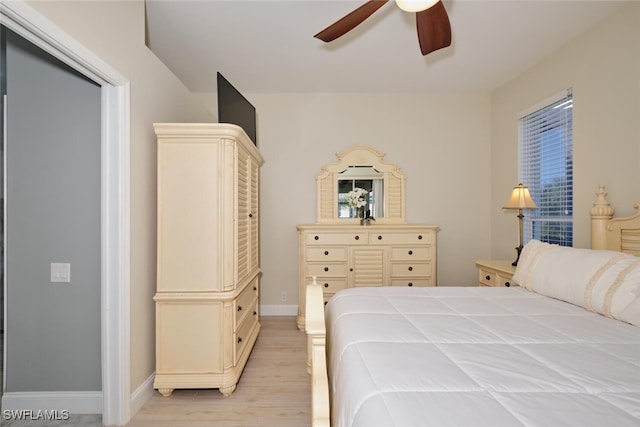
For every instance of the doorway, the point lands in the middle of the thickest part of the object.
(52, 234)
(114, 194)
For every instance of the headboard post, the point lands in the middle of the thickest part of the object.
(601, 213)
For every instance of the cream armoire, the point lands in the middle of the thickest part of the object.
(206, 299)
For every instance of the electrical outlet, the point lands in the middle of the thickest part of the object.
(283, 296)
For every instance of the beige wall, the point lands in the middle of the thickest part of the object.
(603, 68)
(114, 31)
(440, 140)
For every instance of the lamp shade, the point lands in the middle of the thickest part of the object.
(520, 199)
(415, 5)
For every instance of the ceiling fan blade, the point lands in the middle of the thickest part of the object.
(350, 21)
(434, 29)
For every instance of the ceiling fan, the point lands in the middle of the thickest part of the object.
(432, 21)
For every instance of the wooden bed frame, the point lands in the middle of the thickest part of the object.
(618, 234)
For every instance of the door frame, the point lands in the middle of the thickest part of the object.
(115, 189)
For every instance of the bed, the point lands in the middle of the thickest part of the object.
(561, 349)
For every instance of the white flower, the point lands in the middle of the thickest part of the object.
(356, 197)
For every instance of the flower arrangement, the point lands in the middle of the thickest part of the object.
(356, 198)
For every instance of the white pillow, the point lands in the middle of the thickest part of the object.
(606, 282)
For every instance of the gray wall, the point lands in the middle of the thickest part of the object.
(53, 202)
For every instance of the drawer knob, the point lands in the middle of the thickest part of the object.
(326, 269)
(326, 285)
(239, 340)
(239, 308)
(419, 236)
(316, 237)
(379, 237)
(507, 284)
(410, 252)
(410, 284)
(410, 268)
(255, 288)
(357, 237)
(487, 277)
(255, 313)
(250, 215)
(326, 252)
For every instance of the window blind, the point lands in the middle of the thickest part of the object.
(546, 167)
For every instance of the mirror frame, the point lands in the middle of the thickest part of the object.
(361, 155)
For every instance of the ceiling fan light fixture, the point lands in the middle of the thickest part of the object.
(415, 5)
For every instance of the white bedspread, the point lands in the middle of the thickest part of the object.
(478, 357)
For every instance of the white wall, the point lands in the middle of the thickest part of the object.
(603, 68)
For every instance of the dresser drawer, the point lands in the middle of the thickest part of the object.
(330, 285)
(493, 278)
(422, 282)
(496, 272)
(245, 301)
(326, 269)
(347, 238)
(411, 253)
(410, 269)
(399, 238)
(487, 277)
(326, 254)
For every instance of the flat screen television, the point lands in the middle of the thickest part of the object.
(234, 108)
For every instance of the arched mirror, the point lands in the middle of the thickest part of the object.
(361, 185)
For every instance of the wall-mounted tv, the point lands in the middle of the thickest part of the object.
(234, 108)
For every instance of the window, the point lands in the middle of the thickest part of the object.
(546, 167)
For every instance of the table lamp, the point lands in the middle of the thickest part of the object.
(520, 199)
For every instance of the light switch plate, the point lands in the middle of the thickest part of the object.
(61, 272)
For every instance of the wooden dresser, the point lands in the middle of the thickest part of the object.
(361, 237)
(345, 256)
(207, 318)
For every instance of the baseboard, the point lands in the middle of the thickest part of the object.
(278, 310)
(75, 402)
(141, 395)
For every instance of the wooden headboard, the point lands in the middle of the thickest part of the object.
(620, 234)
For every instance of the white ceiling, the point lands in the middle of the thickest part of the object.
(268, 45)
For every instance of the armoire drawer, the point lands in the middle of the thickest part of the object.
(326, 269)
(399, 238)
(244, 302)
(410, 269)
(244, 331)
(411, 253)
(330, 253)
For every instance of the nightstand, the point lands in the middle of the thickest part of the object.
(496, 272)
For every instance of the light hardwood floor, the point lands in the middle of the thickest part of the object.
(274, 389)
